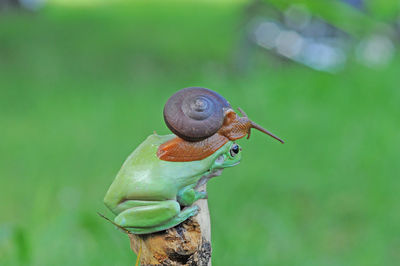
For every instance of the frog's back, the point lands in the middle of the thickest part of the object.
(143, 176)
(136, 177)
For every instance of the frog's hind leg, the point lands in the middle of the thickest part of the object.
(182, 216)
(147, 214)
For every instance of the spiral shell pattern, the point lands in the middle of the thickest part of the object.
(195, 113)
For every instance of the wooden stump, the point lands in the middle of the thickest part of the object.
(188, 243)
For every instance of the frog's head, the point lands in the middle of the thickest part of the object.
(229, 155)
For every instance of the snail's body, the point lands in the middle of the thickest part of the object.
(148, 193)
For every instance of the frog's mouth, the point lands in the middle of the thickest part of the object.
(234, 164)
(221, 159)
(213, 173)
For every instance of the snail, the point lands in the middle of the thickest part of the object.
(203, 121)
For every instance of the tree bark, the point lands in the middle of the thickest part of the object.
(188, 243)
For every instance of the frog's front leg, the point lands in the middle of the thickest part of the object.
(188, 195)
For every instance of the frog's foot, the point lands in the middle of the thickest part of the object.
(202, 194)
(181, 217)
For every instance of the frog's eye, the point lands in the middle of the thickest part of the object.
(234, 150)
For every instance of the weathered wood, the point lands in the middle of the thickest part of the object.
(188, 243)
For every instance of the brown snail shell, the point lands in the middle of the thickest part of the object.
(195, 113)
(203, 122)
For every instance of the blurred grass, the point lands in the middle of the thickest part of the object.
(80, 88)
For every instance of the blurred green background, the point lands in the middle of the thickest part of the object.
(83, 83)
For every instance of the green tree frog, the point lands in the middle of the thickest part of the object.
(150, 195)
